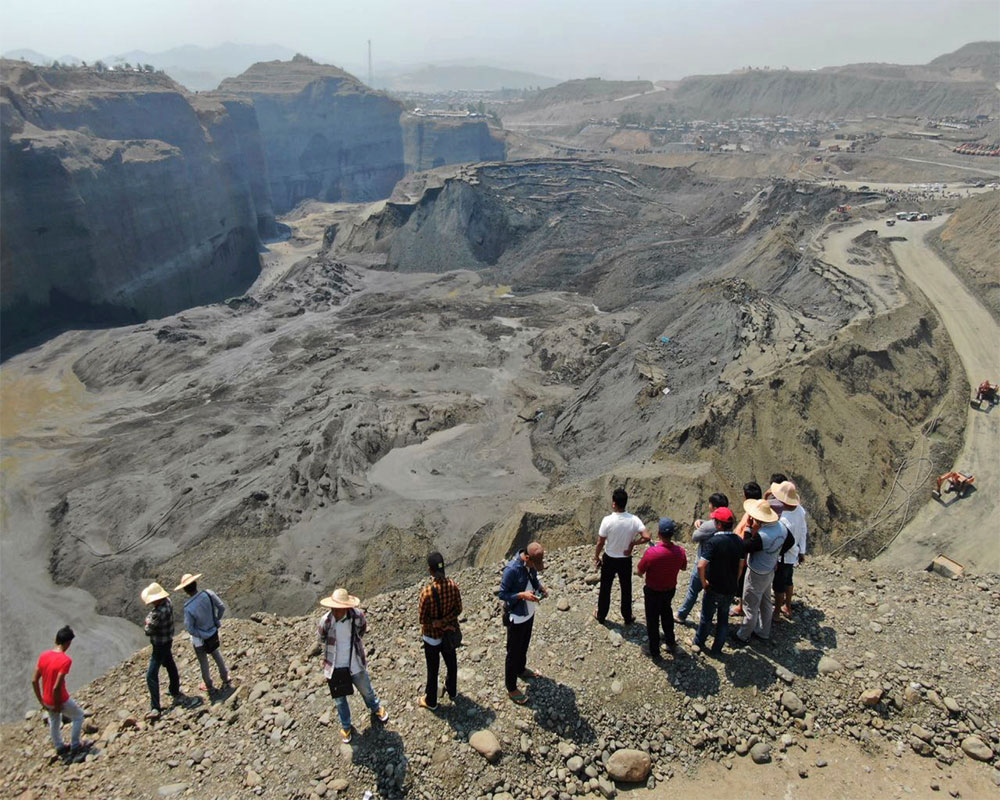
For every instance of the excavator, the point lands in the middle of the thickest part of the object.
(988, 393)
(958, 482)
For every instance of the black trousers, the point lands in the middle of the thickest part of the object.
(518, 639)
(162, 655)
(433, 653)
(610, 567)
(658, 612)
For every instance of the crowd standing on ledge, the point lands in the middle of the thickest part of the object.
(747, 561)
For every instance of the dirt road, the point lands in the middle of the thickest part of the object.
(963, 529)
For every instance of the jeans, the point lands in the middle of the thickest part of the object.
(203, 663)
(758, 606)
(363, 683)
(72, 710)
(161, 657)
(694, 589)
(518, 639)
(433, 654)
(657, 604)
(714, 605)
(610, 567)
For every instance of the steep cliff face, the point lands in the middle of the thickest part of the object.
(329, 137)
(430, 142)
(326, 135)
(121, 199)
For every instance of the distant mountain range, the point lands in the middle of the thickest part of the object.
(197, 68)
(462, 77)
(204, 68)
(962, 83)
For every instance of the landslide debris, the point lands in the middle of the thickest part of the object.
(896, 664)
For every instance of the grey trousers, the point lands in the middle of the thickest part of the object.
(72, 711)
(758, 605)
(203, 663)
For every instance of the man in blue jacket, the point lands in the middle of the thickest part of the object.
(519, 614)
(203, 612)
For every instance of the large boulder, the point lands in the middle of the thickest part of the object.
(976, 748)
(629, 766)
(486, 744)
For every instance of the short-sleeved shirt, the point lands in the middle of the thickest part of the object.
(795, 519)
(52, 664)
(723, 552)
(660, 564)
(619, 529)
(772, 536)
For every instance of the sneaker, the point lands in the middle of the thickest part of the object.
(382, 715)
(79, 748)
(424, 704)
(345, 735)
(63, 750)
(153, 714)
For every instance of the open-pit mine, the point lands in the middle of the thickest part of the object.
(292, 336)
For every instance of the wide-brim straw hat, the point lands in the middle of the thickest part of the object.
(760, 510)
(153, 592)
(785, 492)
(340, 599)
(188, 578)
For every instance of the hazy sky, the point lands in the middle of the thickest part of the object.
(561, 38)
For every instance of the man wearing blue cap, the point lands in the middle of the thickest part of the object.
(660, 565)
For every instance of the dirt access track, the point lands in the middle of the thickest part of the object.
(961, 529)
(964, 529)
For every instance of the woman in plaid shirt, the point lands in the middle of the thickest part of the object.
(439, 609)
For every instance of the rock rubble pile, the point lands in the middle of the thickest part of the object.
(892, 662)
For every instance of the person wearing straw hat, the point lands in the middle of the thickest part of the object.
(438, 609)
(765, 537)
(159, 627)
(345, 663)
(793, 516)
(203, 612)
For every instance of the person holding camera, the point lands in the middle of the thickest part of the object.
(519, 614)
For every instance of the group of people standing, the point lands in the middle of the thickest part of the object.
(747, 560)
(203, 612)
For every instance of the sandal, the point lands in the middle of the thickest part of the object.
(518, 697)
(424, 704)
(527, 674)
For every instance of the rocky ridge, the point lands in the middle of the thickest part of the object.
(123, 197)
(329, 137)
(892, 663)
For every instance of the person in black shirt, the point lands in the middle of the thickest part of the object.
(719, 568)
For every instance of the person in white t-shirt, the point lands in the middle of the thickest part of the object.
(618, 534)
(793, 515)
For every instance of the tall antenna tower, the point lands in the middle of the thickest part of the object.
(370, 63)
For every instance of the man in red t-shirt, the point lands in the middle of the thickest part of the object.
(660, 564)
(51, 671)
